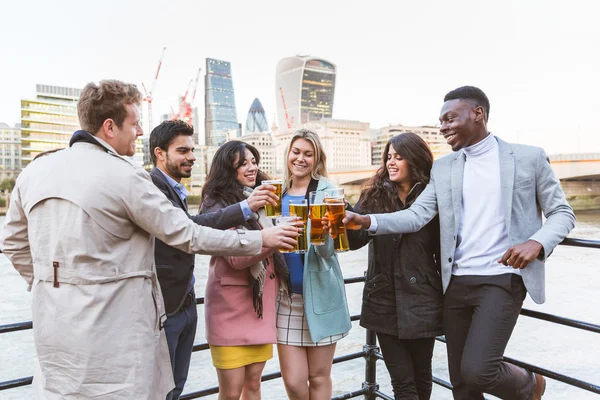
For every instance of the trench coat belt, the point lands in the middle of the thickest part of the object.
(79, 277)
(60, 274)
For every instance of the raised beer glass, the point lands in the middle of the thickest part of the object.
(289, 220)
(336, 211)
(274, 210)
(299, 208)
(318, 208)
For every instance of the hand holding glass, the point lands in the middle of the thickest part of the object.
(299, 208)
(318, 208)
(274, 210)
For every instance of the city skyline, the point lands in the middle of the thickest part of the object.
(395, 61)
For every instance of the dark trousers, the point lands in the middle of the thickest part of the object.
(480, 313)
(180, 329)
(409, 363)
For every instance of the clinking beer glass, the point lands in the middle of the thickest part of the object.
(299, 208)
(318, 208)
(336, 211)
(274, 210)
(288, 220)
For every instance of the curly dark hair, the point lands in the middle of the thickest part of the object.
(381, 194)
(221, 184)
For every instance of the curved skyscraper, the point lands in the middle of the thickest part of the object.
(305, 87)
(256, 120)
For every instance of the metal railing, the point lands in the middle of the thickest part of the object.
(371, 354)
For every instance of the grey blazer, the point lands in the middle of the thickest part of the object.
(528, 188)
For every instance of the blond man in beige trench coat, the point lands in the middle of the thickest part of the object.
(80, 229)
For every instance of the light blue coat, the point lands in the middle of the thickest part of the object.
(325, 303)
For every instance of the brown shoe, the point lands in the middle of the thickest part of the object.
(540, 387)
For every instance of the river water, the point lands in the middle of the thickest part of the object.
(572, 283)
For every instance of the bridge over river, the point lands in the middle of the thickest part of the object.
(579, 174)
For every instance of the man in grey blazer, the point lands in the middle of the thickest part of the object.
(490, 196)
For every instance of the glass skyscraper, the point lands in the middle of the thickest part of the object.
(305, 88)
(257, 120)
(220, 115)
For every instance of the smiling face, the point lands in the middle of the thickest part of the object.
(301, 158)
(123, 138)
(399, 169)
(179, 158)
(246, 173)
(462, 123)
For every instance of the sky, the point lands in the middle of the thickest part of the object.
(537, 60)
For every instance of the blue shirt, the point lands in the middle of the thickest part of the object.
(295, 262)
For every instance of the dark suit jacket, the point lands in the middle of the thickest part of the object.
(175, 267)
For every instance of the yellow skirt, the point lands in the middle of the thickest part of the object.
(230, 357)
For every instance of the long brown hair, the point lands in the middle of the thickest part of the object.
(221, 183)
(380, 193)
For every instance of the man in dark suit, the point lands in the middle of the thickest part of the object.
(172, 153)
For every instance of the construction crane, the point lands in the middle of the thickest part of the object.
(185, 107)
(289, 121)
(148, 94)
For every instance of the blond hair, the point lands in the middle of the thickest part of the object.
(107, 100)
(319, 169)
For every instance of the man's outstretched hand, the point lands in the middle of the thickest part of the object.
(281, 237)
(354, 221)
(521, 255)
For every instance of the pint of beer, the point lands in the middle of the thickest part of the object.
(299, 208)
(318, 208)
(336, 209)
(285, 220)
(274, 210)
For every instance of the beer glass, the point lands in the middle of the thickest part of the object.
(299, 208)
(274, 210)
(336, 209)
(318, 208)
(289, 220)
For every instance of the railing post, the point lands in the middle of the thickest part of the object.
(370, 383)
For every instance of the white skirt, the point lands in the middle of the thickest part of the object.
(292, 327)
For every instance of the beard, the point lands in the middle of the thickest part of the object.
(175, 170)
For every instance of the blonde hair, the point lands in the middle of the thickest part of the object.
(319, 169)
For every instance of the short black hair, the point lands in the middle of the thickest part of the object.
(162, 136)
(471, 93)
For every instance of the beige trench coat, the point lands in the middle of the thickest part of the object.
(95, 214)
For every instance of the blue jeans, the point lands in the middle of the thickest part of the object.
(180, 329)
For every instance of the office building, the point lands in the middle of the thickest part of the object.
(220, 115)
(263, 141)
(48, 120)
(305, 88)
(10, 152)
(347, 144)
(429, 133)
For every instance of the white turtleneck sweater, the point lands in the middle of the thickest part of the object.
(482, 235)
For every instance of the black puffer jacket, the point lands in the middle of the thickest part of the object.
(403, 289)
